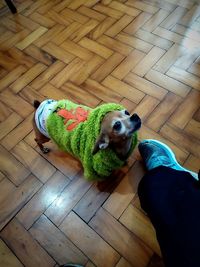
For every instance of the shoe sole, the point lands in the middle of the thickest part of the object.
(172, 156)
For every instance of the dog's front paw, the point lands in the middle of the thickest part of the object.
(45, 150)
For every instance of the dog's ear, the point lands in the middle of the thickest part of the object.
(101, 143)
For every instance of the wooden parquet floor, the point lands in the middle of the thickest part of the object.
(143, 54)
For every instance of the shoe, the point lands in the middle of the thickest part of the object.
(156, 153)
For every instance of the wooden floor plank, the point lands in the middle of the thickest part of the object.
(168, 83)
(195, 69)
(185, 77)
(123, 263)
(95, 197)
(73, 227)
(6, 187)
(116, 14)
(5, 111)
(24, 246)
(7, 62)
(141, 227)
(83, 31)
(119, 25)
(11, 77)
(145, 86)
(186, 110)
(11, 167)
(144, 55)
(134, 42)
(43, 21)
(16, 103)
(87, 69)
(17, 199)
(163, 111)
(137, 23)
(126, 90)
(128, 64)
(181, 139)
(173, 18)
(45, 38)
(9, 124)
(153, 39)
(115, 45)
(74, 16)
(92, 86)
(169, 58)
(26, 78)
(96, 48)
(124, 8)
(155, 20)
(192, 163)
(58, 53)
(56, 243)
(124, 192)
(77, 94)
(31, 38)
(148, 61)
(40, 55)
(47, 75)
(146, 107)
(107, 227)
(101, 28)
(193, 128)
(18, 133)
(16, 38)
(21, 58)
(67, 200)
(29, 95)
(33, 161)
(41, 201)
(106, 68)
(143, 6)
(77, 50)
(64, 75)
(7, 258)
(91, 13)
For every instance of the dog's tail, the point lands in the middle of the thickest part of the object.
(36, 104)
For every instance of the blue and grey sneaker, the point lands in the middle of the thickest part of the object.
(156, 153)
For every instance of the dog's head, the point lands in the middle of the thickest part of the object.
(116, 130)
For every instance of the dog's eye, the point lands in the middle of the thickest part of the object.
(117, 126)
(126, 112)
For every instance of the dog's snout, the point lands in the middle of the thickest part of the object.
(135, 118)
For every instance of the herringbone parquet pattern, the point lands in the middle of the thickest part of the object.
(143, 54)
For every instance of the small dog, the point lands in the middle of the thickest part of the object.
(115, 131)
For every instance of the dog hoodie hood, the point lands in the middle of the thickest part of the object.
(75, 129)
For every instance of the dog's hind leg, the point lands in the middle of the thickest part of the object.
(40, 138)
(40, 144)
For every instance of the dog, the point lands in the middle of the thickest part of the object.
(112, 128)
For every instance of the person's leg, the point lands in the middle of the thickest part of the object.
(171, 199)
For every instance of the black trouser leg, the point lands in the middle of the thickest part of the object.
(172, 201)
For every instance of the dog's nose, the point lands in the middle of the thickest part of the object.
(135, 118)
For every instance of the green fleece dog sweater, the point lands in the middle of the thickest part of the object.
(75, 129)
